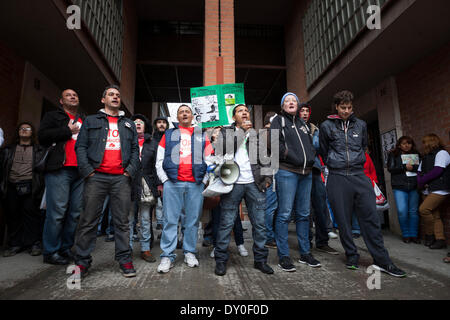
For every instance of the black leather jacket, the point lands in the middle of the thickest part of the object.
(54, 130)
(399, 179)
(91, 144)
(343, 150)
(147, 171)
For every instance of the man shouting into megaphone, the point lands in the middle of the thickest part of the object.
(251, 186)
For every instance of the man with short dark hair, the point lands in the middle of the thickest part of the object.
(343, 140)
(108, 158)
(59, 130)
(181, 167)
(251, 186)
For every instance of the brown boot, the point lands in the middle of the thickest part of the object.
(147, 256)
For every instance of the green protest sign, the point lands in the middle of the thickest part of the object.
(213, 105)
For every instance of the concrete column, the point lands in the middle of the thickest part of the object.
(219, 58)
(389, 119)
(155, 110)
(258, 116)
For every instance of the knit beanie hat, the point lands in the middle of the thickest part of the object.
(289, 94)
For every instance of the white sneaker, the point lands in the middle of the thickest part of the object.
(165, 265)
(242, 251)
(190, 260)
(212, 255)
(332, 235)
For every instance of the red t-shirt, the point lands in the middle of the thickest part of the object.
(112, 158)
(185, 167)
(71, 157)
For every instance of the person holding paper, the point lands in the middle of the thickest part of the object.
(403, 162)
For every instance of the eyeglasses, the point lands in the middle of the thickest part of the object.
(25, 129)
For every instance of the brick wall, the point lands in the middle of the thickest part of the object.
(424, 99)
(128, 81)
(211, 48)
(295, 58)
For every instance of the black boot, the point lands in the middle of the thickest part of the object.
(429, 240)
(438, 244)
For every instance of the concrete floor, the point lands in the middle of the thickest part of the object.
(26, 277)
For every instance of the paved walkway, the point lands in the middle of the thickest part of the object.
(26, 277)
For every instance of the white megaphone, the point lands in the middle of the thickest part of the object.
(228, 172)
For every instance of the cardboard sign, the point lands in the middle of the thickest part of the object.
(213, 105)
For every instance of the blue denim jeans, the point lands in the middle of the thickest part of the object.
(321, 215)
(255, 201)
(159, 212)
(294, 195)
(237, 228)
(177, 197)
(271, 207)
(145, 230)
(407, 210)
(64, 199)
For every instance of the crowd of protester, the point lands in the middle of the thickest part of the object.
(79, 176)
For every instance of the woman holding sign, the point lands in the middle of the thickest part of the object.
(403, 162)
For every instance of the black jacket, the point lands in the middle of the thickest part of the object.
(153, 152)
(399, 179)
(54, 130)
(343, 151)
(147, 171)
(6, 161)
(91, 143)
(443, 181)
(262, 173)
(296, 150)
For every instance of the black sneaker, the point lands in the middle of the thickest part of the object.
(68, 255)
(309, 260)
(11, 251)
(221, 268)
(391, 270)
(327, 249)
(438, 244)
(263, 267)
(352, 264)
(55, 259)
(35, 250)
(128, 270)
(286, 264)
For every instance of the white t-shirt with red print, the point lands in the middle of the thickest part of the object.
(112, 158)
(185, 166)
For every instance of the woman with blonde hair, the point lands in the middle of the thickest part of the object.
(434, 178)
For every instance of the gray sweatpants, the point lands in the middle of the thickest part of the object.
(355, 193)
